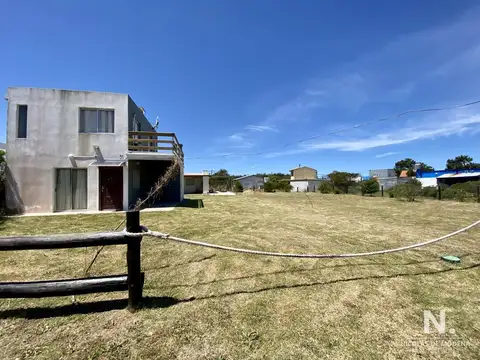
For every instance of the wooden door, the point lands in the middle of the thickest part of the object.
(111, 188)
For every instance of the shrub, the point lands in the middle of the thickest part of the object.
(285, 186)
(369, 187)
(325, 187)
(430, 192)
(458, 194)
(269, 186)
(238, 187)
(470, 186)
(407, 191)
(274, 185)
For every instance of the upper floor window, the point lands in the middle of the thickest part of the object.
(22, 121)
(96, 121)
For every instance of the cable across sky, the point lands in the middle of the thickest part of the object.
(363, 124)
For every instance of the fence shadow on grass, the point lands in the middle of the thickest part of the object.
(296, 271)
(328, 282)
(87, 308)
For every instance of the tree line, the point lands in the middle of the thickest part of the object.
(461, 162)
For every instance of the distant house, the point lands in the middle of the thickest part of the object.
(303, 173)
(304, 178)
(447, 177)
(3, 146)
(382, 173)
(251, 181)
(386, 177)
(196, 183)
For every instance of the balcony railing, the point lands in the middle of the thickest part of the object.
(150, 141)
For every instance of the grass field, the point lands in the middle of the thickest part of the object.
(205, 304)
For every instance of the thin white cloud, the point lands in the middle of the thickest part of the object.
(236, 137)
(386, 154)
(260, 128)
(427, 128)
(401, 136)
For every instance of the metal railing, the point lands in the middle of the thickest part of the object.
(150, 141)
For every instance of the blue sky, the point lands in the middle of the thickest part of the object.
(246, 77)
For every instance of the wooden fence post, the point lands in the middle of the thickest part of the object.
(439, 192)
(382, 189)
(135, 282)
(478, 193)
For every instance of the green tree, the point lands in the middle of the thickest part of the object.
(461, 162)
(405, 164)
(369, 186)
(426, 167)
(342, 180)
(238, 186)
(325, 187)
(221, 172)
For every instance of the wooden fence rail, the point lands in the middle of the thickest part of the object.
(132, 281)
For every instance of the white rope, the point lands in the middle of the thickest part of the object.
(293, 255)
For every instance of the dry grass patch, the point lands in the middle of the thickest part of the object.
(206, 304)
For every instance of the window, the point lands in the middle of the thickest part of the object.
(96, 121)
(22, 121)
(70, 189)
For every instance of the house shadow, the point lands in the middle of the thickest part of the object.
(191, 203)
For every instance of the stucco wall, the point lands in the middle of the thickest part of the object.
(197, 187)
(134, 111)
(52, 134)
(310, 185)
(428, 181)
(304, 173)
(252, 182)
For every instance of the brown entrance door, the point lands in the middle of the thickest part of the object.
(111, 188)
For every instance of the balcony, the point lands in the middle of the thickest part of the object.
(154, 142)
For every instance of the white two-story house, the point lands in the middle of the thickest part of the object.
(83, 150)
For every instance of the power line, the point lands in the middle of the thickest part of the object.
(366, 123)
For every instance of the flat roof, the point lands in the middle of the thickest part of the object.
(246, 176)
(460, 175)
(194, 174)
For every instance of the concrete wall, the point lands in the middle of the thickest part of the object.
(382, 173)
(252, 182)
(52, 134)
(197, 187)
(135, 112)
(304, 173)
(304, 185)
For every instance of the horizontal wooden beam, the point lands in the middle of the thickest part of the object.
(132, 140)
(63, 241)
(36, 289)
(151, 133)
(145, 147)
